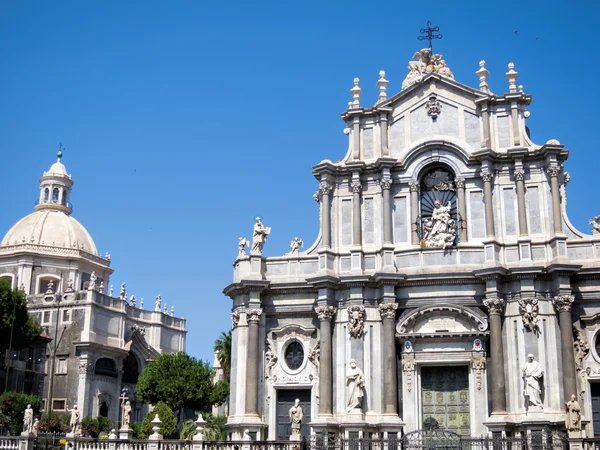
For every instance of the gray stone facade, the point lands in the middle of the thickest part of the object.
(448, 302)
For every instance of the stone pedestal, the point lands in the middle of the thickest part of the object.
(125, 433)
(27, 440)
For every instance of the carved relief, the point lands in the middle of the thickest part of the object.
(440, 180)
(478, 365)
(356, 187)
(253, 315)
(595, 223)
(325, 188)
(325, 312)
(235, 319)
(563, 302)
(494, 305)
(440, 230)
(388, 310)
(528, 307)
(425, 63)
(408, 367)
(314, 355)
(356, 316)
(519, 175)
(433, 107)
(270, 359)
(581, 346)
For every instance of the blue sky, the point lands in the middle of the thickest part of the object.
(184, 120)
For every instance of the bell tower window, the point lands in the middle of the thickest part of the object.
(46, 194)
(439, 218)
(55, 193)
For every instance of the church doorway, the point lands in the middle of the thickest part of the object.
(103, 410)
(445, 397)
(285, 400)
(595, 394)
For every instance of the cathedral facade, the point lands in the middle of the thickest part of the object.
(100, 340)
(446, 286)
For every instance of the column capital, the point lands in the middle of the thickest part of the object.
(325, 187)
(388, 310)
(356, 187)
(235, 319)
(519, 175)
(414, 186)
(553, 171)
(253, 315)
(386, 184)
(563, 302)
(459, 182)
(325, 312)
(487, 176)
(494, 305)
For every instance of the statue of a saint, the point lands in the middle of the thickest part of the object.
(440, 231)
(296, 417)
(92, 285)
(271, 358)
(126, 414)
(573, 416)
(74, 422)
(295, 244)
(28, 420)
(533, 374)
(259, 236)
(35, 428)
(157, 303)
(356, 386)
(242, 244)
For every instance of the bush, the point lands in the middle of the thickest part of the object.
(168, 426)
(214, 427)
(94, 427)
(13, 405)
(137, 429)
(188, 430)
(58, 423)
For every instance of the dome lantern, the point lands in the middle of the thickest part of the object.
(55, 188)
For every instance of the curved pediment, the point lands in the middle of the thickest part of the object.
(442, 319)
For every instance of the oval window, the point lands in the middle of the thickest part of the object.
(294, 355)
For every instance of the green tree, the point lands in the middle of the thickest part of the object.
(181, 381)
(223, 350)
(168, 425)
(95, 427)
(15, 320)
(214, 427)
(12, 406)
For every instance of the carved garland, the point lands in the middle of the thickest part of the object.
(408, 367)
(528, 307)
(356, 316)
(478, 365)
(270, 359)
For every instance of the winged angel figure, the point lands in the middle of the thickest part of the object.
(424, 63)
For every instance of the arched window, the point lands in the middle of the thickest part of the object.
(131, 370)
(63, 201)
(47, 284)
(55, 193)
(106, 367)
(103, 410)
(46, 194)
(439, 218)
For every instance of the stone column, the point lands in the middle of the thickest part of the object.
(414, 211)
(356, 222)
(520, 179)
(383, 125)
(489, 206)
(253, 318)
(553, 172)
(325, 315)
(390, 387)
(326, 189)
(386, 186)
(563, 303)
(462, 209)
(495, 307)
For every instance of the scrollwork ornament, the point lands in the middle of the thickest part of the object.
(519, 175)
(325, 312)
(235, 319)
(356, 316)
(413, 186)
(388, 310)
(494, 305)
(433, 107)
(459, 182)
(253, 315)
(356, 187)
(563, 302)
(487, 176)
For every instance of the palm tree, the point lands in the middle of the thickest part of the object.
(223, 350)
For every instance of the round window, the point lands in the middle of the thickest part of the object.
(294, 355)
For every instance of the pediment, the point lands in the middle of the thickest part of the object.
(442, 319)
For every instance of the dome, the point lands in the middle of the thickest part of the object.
(57, 169)
(53, 228)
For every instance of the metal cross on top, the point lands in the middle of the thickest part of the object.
(429, 34)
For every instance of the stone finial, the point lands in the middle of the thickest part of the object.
(172, 310)
(382, 85)
(511, 76)
(356, 92)
(101, 288)
(123, 293)
(156, 422)
(50, 289)
(165, 310)
(157, 303)
(483, 73)
(132, 301)
(199, 436)
(110, 291)
(142, 303)
(69, 288)
(521, 88)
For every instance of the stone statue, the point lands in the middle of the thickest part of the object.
(242, 244)
(296, 416)
(595, 223)
(295, 244)
(439, 180)
(529, 312)
(75, 421)
(157, 303)
(126, 414)
(573, 415)
(314, 356)
(271, 358)
(92, 285)
(425, 63)
(533, 375)
(101, 288)
(259, 236)
(123, 293)
(50, 289)
(35, 428)
(132, 301)
(355, 380)
(28, 420)
(582, 348)
(440, 231)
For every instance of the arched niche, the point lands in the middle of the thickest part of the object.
(131, 368)
(106, 367)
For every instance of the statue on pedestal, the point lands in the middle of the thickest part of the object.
(28, 420)
(295, 245)
(573, 416)
(259, 236)
(75, 421)
(356, 386)
(533, 375)
(296, 416)
(126, 414)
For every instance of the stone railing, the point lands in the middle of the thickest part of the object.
(9, 442)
